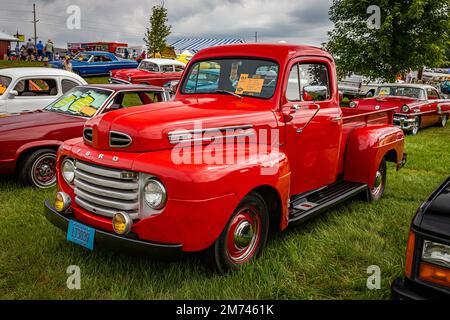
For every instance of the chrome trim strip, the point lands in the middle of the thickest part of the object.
(110, 173)
(187, 135)
(106, 182)
(100, 210)
(105, 202)
(121, 195)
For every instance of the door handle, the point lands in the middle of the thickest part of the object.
(295, 107)
(337, 119)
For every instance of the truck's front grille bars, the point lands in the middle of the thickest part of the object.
(106, 191)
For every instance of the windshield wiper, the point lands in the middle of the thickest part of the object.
(229, 92)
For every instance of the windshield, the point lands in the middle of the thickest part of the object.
(409, 92)
(80, 102)
(149, 66)
(4, 84)
(245, 77)
(83, 57)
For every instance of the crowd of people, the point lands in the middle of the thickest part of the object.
(31, 52)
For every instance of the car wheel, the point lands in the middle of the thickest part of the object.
(444, 120)
(416, 126)
(244, 237)
(39, 169)
(377, 191)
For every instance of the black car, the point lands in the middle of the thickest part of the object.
(427, 271)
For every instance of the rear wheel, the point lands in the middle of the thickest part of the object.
(39, 169)
(244, 237)
(377, 191)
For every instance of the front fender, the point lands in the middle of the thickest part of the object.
(366, 148)
(37, 144)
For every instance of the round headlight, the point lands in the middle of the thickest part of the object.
(62, 202)
(155, 194)
(122, 223)
(405, 108)
(68, 170)
(352, 104)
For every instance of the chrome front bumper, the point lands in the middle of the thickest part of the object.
(118, 81)
(404, 123)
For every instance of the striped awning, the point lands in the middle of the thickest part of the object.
(195, 45)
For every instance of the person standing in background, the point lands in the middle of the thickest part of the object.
(30, 50)
(17, 50)
(67, 65)
(49, 50)
(40, 50)
(127, 53)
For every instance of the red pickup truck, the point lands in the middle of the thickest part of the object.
(263, 146)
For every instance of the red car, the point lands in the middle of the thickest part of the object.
(30, 140)
(156, 72)
(265, 146)
(416, 106)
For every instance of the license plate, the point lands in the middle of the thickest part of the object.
(80, 234)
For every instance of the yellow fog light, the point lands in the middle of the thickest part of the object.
(122, 223)
(62, 202)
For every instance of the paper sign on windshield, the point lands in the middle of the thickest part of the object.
(2, 89)
(64, 102)
(88, 110)
(81, 103)
(248, 84)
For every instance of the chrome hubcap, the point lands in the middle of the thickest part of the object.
(378, 185)
(243, 235)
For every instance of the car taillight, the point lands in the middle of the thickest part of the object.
(434, 274)
(410, 254)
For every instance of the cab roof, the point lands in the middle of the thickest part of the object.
(277, 52)
(125, 87)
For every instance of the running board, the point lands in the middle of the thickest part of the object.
(308, 205)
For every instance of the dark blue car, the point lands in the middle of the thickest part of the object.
(94, 63)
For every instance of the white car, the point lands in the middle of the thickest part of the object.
(29, 89)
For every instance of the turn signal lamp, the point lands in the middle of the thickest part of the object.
(410, 254)
(434, 274)
(122, 223)
(62, 202)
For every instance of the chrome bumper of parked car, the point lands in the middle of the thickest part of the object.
(127, 245)
(404, 123)
(118, 81)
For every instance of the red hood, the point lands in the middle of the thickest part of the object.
(149, 126)
(32, 120)
(125, 74)
(380, 103)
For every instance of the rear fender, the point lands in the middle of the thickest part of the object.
(366, 147)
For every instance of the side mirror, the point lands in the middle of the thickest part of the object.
(315, 93)
(172, 86)
(12, 94)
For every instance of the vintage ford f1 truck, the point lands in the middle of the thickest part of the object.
(262, 146)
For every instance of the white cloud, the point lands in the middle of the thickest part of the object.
(298, 21)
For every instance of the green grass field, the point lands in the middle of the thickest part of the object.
(327, 258)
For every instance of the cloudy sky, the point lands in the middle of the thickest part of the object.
(294, 21)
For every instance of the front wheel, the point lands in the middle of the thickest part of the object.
(415, 126)
(444, 120)
(244, 237)
(377, 191)
(39, 169)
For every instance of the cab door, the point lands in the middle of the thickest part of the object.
(313, 123)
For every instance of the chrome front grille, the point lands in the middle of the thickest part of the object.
(106, 191)
(87, 135)
(119, 140)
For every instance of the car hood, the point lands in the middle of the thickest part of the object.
(149, 126)
(380, 103)
(29, 120)
(133, 73)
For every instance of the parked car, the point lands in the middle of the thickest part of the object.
(29, 89)
(358, 86)
(30, 140)
(95, 63)
(156, 72)
(427, 269)
(416, 106)
(155, 180)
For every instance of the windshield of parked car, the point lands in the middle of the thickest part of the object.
(408, 92)
(83, 57)
(243, 77)
(80, 101)
(148, 66)
(4, 84)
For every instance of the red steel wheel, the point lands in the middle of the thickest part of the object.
(244, 237)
